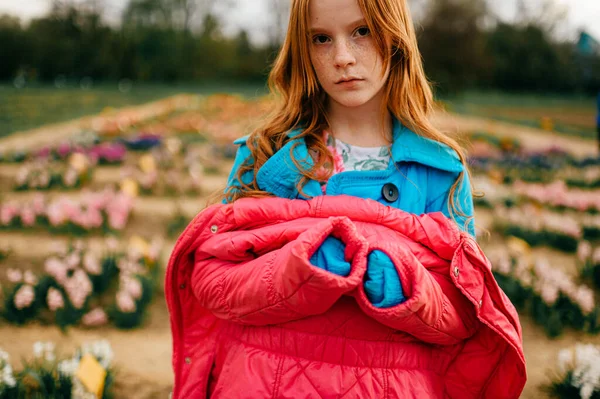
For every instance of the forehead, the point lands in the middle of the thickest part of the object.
(323, 13)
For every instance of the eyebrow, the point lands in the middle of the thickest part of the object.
(358, 22)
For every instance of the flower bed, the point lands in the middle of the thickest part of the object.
(559, 196)
(82, 287)
(108, 153)
(104, 211)
(588, 260)
(46, 175)
(164, 172)
(540, 227)
(552, 298)
(49, 375)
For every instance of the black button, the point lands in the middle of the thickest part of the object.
(390, 192)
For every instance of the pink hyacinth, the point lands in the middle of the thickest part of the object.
(549, 294)
(585, 298)
(30, 278)
(125, 302)
(70, 177)
(133, 287)
(78, 288)
(596, 257)
(22, 175)
(94, 218)
(63, 149)
(584, 251)
(38, 204)
(92, 264)
(55, 299)
(148, 180)
(112, 244)
(73, 260)
(129, 267)
(7, 213)
(28, 216)
(14, 275)
(24, 297)
(95, 318)
(57, 269)
(43, 152)
(117, 220)
(56, 214)
(70, 208)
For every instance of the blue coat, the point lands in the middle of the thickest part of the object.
(418, 181)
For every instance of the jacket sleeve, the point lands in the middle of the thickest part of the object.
(463, 199)
(434, 310)
(280, 285)
(243, 155)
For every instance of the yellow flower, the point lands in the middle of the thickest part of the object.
(130, 187)
(140, 245)
(79, 162)
(147, 163)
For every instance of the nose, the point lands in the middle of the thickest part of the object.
(343, 54)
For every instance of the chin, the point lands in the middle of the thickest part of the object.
(352, 101)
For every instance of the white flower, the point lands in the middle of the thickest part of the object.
(587, 369)
(101, 350)
(8, 377)
(586, 391)
(45, 350)
(565, 360)
(38, 349)
(68, 367)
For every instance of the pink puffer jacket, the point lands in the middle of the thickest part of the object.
(252, 318)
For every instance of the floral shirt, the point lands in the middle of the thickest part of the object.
(348, 157)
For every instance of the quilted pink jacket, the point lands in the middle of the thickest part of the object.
(252, 318)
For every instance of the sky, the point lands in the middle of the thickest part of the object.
(249, 14)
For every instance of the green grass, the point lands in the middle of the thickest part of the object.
(574, 115)
(31, 107)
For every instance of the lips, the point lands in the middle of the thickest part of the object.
(349, 79)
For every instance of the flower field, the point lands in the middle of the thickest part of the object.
(89, 217)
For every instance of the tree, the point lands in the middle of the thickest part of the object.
(452, 42)
(14, 47)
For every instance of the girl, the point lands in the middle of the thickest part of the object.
(353, 94)
(333, 287)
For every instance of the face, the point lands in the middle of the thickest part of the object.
(344, 54)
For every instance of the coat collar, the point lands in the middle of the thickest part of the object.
(408, 146)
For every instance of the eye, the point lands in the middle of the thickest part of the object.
(320, 39)
(363, 31)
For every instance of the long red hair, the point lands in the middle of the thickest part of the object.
(300, 101)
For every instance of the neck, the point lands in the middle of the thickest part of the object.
(363, 126)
